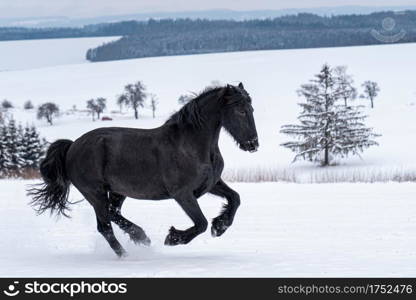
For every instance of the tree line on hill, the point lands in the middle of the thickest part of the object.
(184, 36)
(192, 36)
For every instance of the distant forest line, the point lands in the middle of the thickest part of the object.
(186, 36)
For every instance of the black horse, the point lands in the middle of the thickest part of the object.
(179, 160)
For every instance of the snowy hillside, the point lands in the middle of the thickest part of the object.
(281, 229)
(19, 55)
(271, 77)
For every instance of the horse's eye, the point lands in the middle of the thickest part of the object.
(241, 112)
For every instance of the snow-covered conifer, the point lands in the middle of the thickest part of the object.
(4, 153)
(13, 144)
(32, 148)
(326, 128)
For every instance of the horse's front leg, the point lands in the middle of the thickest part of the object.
(191, 207)
(225, 219)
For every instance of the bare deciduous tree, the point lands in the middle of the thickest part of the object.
(153, 104)
(48, 111)
(134, 96)
(371, 90)
(96, 106)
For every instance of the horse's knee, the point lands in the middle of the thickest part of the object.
(104, 228)
(234, 199)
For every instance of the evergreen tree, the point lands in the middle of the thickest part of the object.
(14, 147)
(327, 128)
(4, 153)
(33, 148)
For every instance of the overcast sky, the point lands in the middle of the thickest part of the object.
(92, 8)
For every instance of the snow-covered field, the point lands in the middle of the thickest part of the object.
(271, 77)
(282, 229)
(30, 54)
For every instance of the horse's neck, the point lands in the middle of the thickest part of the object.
(206, 137)
(212, 119)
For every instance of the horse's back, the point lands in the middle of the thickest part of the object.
(125, 160)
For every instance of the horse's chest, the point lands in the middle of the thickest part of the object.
(217, 163)
(210, 174)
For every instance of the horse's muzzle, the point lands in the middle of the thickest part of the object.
(250, 146)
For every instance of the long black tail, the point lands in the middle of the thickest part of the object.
(53, 192)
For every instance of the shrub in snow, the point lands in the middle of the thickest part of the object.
(28, 105)
(6, 104)
(327, 129)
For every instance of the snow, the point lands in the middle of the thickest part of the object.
(28, 54)
(271, 77)
(280, 230)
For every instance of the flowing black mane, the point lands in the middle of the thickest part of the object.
(190, 113)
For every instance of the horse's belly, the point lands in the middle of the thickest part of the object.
(139, 188)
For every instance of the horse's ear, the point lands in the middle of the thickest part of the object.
(241, 86)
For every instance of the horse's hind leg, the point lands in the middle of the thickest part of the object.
(104, 227)
(100, 203)
(225, 219)
(191, 207)
(135, 232)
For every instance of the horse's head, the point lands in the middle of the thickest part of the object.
(237, 117)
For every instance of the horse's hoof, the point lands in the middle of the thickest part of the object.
(139, 237)
(146, 242)
(142, 241)
(218, 227)
(173, 238)
(121, 253)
